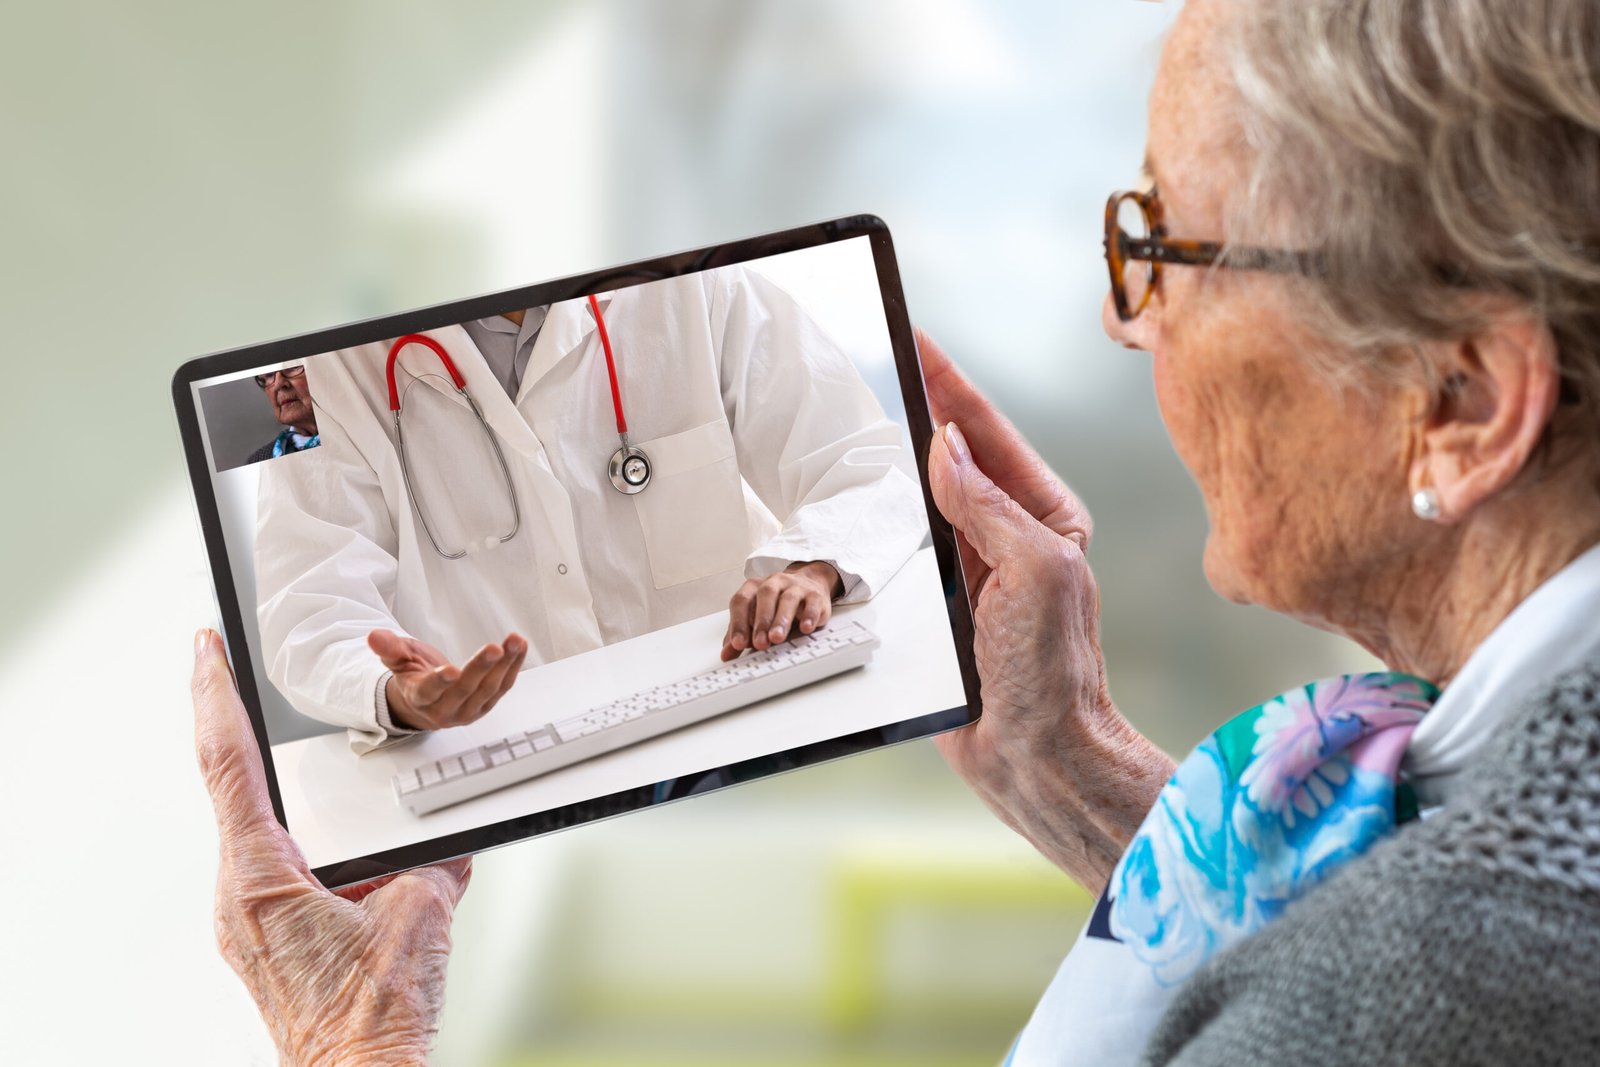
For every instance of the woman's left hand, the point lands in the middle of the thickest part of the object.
(354, 977)
(1051, 755)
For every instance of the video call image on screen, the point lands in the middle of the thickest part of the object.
(469, 486)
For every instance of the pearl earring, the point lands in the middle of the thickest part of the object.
(1425, 503)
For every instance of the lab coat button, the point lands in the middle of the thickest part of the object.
(561, 568)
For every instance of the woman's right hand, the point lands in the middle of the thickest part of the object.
(351, 978)
(1051, 754)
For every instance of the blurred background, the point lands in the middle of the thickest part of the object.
(184, 178)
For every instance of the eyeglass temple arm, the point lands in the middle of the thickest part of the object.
(1209, 253)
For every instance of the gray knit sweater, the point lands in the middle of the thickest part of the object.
(1470, 938)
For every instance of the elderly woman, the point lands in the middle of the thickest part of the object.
(1366, 262)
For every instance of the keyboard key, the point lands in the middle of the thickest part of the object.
(573, 729)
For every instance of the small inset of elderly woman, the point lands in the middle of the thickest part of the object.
(1364, 258)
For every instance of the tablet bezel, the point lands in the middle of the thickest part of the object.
(918, 423)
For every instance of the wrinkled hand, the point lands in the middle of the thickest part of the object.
(768, 611)
(1051, 754)
(350, 978)
(428, 692)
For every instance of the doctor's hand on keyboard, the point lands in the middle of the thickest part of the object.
(769, 611)
(428, 692)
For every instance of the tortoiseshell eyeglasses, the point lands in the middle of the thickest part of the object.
(1137, 245)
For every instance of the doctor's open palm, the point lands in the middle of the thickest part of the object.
(428, 692)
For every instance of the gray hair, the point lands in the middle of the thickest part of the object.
(1418, 146)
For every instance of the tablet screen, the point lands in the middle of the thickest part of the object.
(692, 495)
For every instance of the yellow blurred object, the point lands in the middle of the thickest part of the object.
(871, 892)
(917, 946)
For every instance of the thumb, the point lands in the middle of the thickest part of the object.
(424, 897)
(395, 651)
(225, 744)
(994, 524)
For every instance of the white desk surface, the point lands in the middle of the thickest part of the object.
(341, 806)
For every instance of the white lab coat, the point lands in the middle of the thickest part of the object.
(746, 408)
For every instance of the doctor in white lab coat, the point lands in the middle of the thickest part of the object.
(773, 464)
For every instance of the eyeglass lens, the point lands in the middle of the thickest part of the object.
(263, 380)
(1138, 276)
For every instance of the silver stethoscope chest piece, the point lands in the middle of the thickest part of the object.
(630, 469)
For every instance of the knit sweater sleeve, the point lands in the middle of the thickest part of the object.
(1472, 938)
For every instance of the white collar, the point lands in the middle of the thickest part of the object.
(1556, 628)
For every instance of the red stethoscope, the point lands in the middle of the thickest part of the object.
(629, 467)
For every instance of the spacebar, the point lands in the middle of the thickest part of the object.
(467, 786)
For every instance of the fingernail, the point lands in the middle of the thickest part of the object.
(738, 640)
(957, 443)
(807, 624)
(201, 638)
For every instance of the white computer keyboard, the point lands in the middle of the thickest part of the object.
(754, 676)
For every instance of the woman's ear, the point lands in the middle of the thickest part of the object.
(1495, 394)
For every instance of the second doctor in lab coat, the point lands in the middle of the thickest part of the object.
(767, 448)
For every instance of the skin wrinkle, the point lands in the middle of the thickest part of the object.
(1021, 535)
(369, 1000)
(338, 981)
(1306, 484)
(1036, 486)
(1084, 845)
(1246, 412)
(1092, 844)
(291, 403)
(270, 916)
(1090, 847)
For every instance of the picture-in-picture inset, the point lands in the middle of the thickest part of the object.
(263, 416)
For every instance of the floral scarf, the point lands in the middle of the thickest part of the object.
(1263, 810)
(290, 440)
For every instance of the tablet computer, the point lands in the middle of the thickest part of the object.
(526, 560)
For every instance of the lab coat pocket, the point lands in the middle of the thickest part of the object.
(692, 512)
